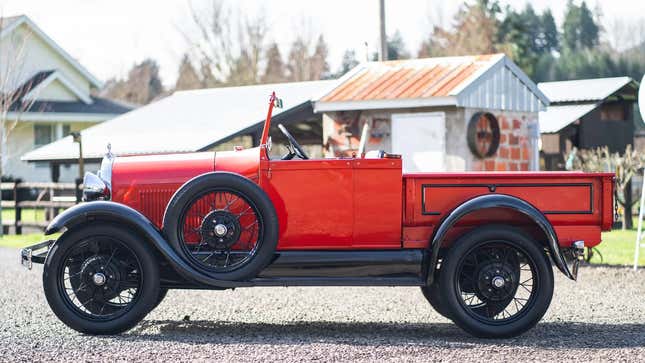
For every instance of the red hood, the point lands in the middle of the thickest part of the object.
(146, 183)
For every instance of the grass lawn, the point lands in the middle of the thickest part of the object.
(617, 248)
(12, 240)
(28, 215)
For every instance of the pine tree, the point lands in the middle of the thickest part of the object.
(579, 27)
(396, 47)
(275, 68)
(319, 68)
(349, 61)
(187, 77)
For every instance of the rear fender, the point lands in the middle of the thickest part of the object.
(126, 216)
(498, 201)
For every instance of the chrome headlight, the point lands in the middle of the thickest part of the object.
(94, 188)
(99, 186)
(105, 173)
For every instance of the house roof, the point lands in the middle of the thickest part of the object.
(186, 121)
(28, 107)
(31, 83)
(31, 88)
(485, 81)
(13, 22)
(571, 100)
(557, 117)
(584, 90)
(97, 106)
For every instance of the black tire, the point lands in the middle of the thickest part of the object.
(85, 316)
(494, 241)
(224, 182)
(162, 295)
(432, 293)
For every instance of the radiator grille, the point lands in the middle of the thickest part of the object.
(154, 202)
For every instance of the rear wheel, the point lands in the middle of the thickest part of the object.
(432, 293)
(496, 282)
(100, 279)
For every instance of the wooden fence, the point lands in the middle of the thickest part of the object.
(49, 197)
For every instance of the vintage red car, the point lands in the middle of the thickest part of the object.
(479, 245)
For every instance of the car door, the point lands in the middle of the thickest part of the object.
(314, 202)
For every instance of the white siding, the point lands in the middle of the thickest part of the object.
(56, 91)
(21, 140)
(36, 56)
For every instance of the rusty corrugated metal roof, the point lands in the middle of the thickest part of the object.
(415, 78)
(490, 81)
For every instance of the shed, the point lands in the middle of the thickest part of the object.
(585, 114)
(442, 114)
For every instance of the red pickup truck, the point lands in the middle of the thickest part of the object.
(479, 245)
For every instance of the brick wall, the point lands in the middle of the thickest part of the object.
(513, 154)
(514, 150)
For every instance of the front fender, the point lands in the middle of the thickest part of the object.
(124, 215)
(498, 201)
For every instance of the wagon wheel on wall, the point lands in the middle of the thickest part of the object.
(483, 135)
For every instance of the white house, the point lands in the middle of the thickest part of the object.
(51, 95)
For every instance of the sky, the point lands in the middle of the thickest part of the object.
(108, 37)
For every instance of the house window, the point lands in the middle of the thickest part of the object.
(67, 129)
(612, 112)
(43, 134)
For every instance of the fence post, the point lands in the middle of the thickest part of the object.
(17, 209)
(78, 191)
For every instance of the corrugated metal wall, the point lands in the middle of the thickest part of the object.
(499, 89)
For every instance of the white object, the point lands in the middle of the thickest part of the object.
(420, 138)
(637, 247)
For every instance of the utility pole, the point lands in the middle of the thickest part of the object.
(382, 54)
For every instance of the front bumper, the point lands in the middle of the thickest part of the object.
(35, 253)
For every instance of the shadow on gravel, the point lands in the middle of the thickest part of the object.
(545, 335)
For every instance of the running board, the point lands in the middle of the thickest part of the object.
(339, 281)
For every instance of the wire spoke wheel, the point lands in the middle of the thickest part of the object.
(497, 282)
(220, 229)
(100, 278)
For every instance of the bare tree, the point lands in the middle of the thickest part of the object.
(298, 61)
(14, 87)
(275, 68)
(229, 46)
(142, 86)
(625, 165)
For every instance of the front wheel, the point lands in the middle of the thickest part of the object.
(496, 282)
(100, 279)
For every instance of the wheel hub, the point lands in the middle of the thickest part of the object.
(104, 274)
(495, 281)
(99, 279)
(498, 281)
(220, 229)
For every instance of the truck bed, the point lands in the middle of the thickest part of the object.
(579, 205)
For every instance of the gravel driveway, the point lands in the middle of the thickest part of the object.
(599, 318)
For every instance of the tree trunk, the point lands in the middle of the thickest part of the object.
(627, 208)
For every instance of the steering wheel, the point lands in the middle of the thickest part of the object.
(294, 148)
